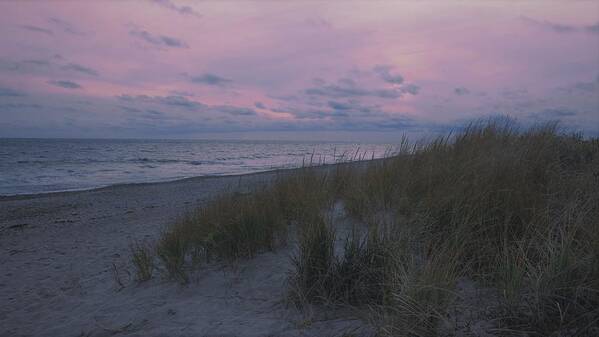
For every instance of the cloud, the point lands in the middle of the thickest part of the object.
(79, 68)
(185, 103)
(339, 105)
(556, 27)
(461, 91)
(591, 87)
(37, 29)
(395, 123)
(233, 110)
(7, 92)
(65, 84)
(260, 105)
(173, 101)
(36, 62)
(155, 114)
(558, 112)
(47, 66)
(514, 93)
(209, 79)
(183, 10)
(65, 26)
(346, 87)
(384, 71)
(158, 40)
(13, 106)
(341, 111)
(129, 109)
(593, 28)
(562, 28)
(411, 89)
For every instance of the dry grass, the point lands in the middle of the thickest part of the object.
(142, 255)
(512, 209)
(507, 208)
(236, 226)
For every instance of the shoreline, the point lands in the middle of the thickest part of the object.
(21, 196)
(38, 195)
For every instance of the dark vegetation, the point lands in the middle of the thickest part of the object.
(514, 211)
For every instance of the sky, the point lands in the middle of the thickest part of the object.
(327, 70)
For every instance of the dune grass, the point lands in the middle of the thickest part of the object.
(513, 210)
(236, 226)
(142, 255)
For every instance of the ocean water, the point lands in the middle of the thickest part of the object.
(51, 165)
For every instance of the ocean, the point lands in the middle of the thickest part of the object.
(30, 166)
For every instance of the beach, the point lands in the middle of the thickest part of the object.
(425, 243)
(67, 271)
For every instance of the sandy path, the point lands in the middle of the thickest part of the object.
(58, 253)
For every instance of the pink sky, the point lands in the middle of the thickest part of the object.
(191, 69)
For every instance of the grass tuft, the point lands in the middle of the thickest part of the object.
(142, 255)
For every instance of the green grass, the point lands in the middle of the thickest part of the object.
(512, 209)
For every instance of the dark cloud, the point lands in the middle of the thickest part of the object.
(260, 105)
(334, 110)
(180, 101)
(558, 112)
(43, 63)
(411, 89)
(556, 27)
(65, 84)
(209, 79)
(588, 86)
(129, 109)
(346, 87)
(460, 91)
(7, 92)
(593, 28)
(591, 87)
(187, 104)
(79, 68)
(339, 105)
(183, 10)
(173, 101)
(155, 114)
(233, 110)
(13, 106)
(384, 71)
(47, 66)
(395, 123)
(158, 40)
(37, 29)
(561, 28)
(65, 26)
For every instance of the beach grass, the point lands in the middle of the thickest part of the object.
(142, 255)
(512, 210)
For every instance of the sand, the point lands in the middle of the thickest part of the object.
(66, 270)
